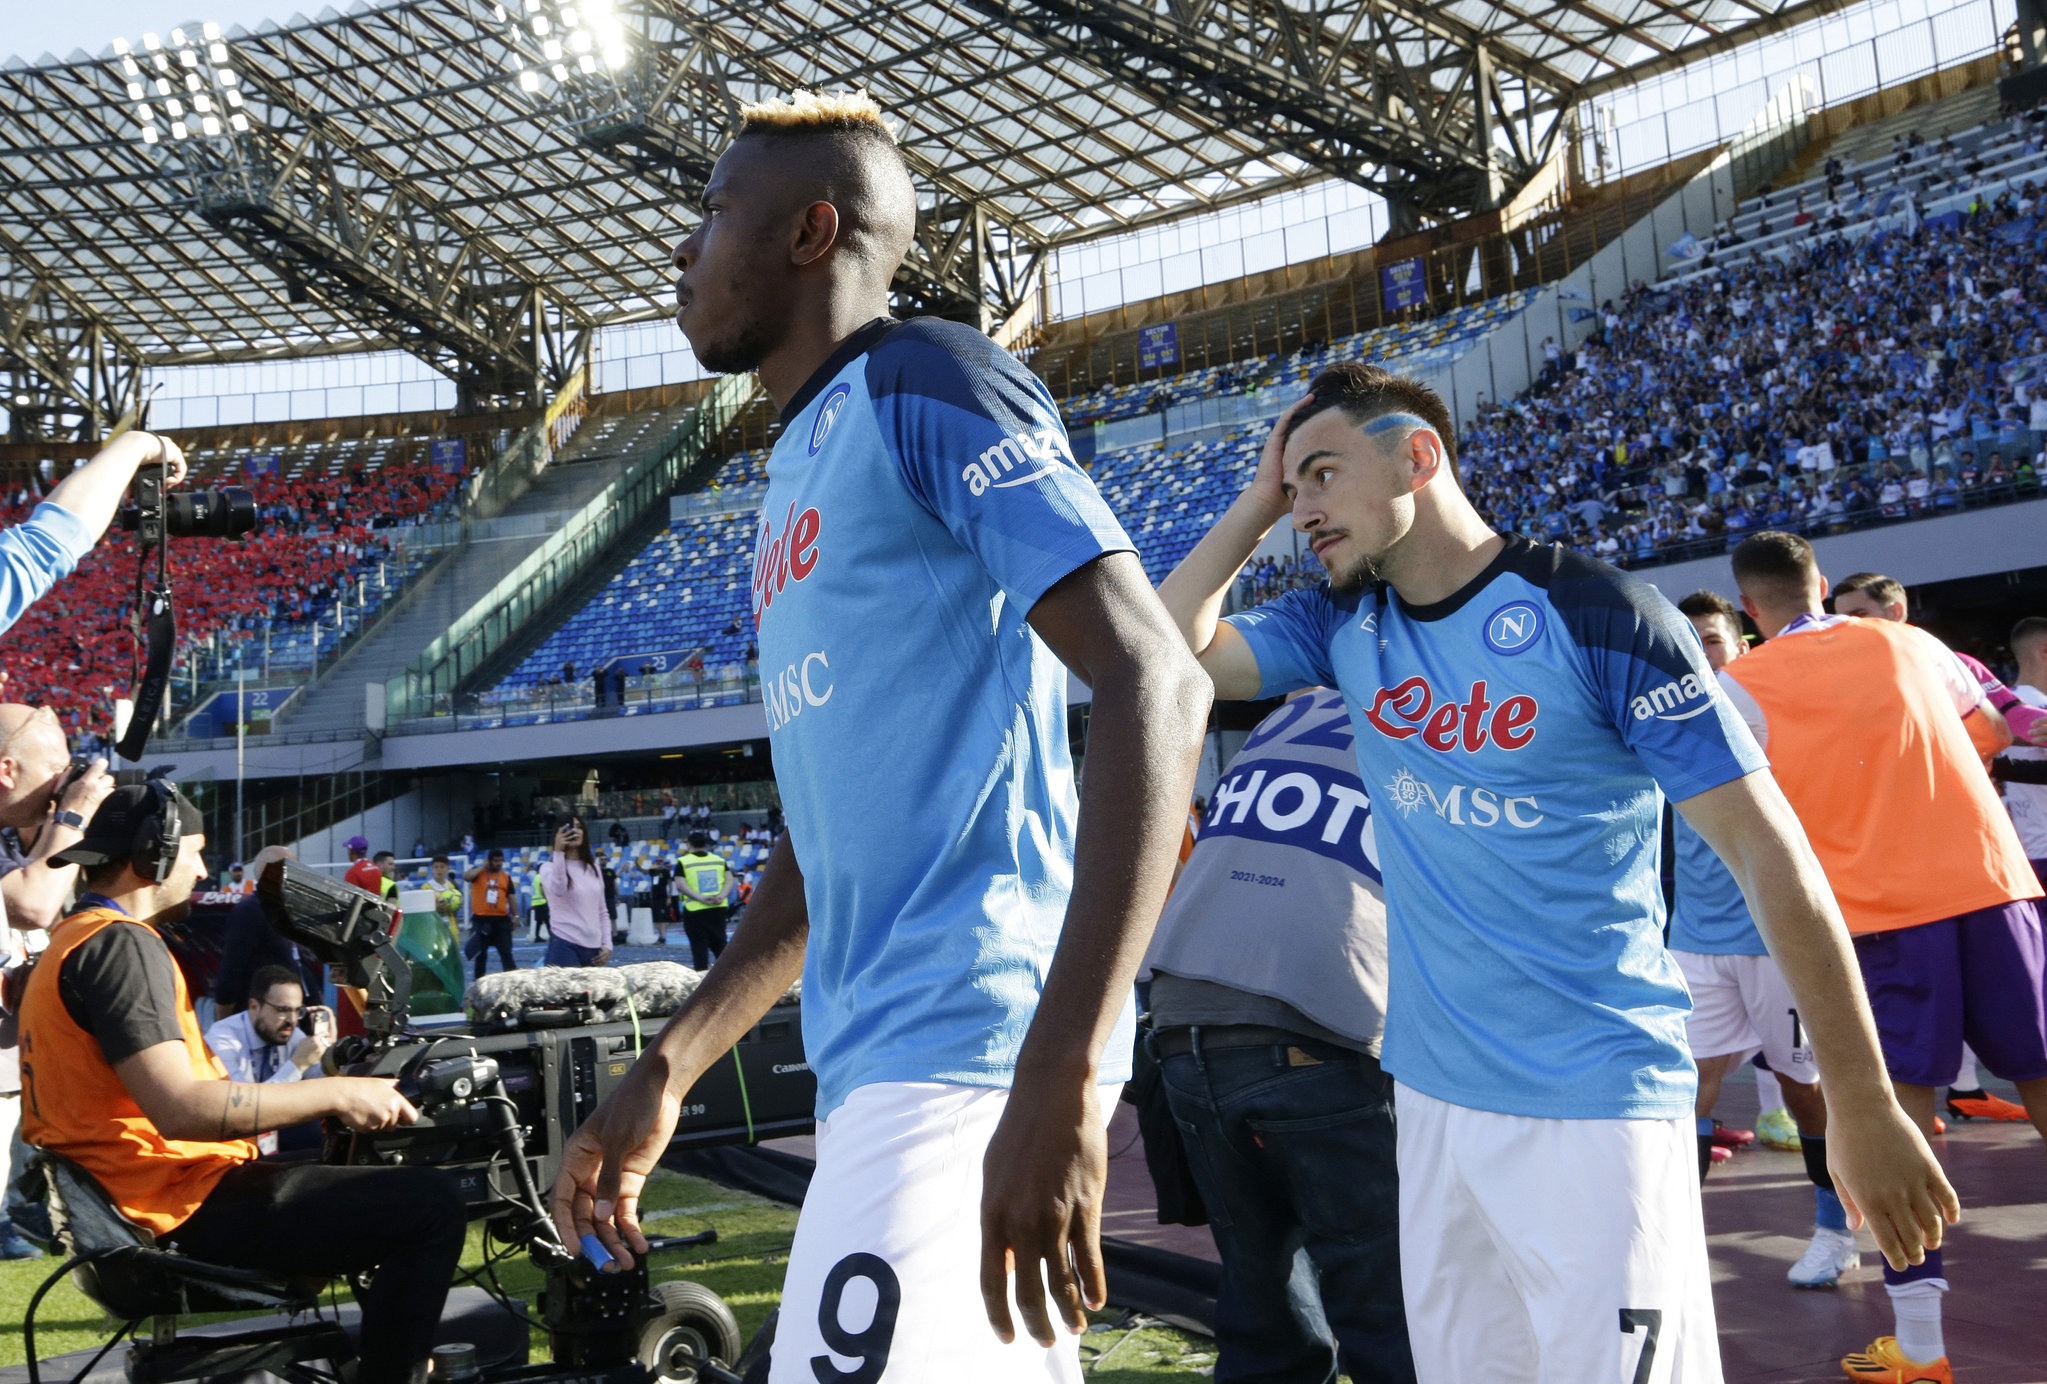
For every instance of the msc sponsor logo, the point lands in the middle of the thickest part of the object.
(1461, 805)
(827, 414)
(1672, 701)
(1514, 627)
(1018, 459)
(779, 559)
(1414, 708)
(807, 682)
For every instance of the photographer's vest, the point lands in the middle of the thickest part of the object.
(80, 1108)
(706, 874)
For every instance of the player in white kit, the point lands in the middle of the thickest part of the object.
(930, 564)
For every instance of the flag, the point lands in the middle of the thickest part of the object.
(1686, 247)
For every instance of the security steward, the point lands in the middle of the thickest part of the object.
(117, 1077)
(702, 875)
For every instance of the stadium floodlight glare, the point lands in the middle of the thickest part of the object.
(200, 78)
(569, 40)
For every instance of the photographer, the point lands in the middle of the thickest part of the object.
(579, 927)
(262, 1044)
(117, 1077)
(40, 552)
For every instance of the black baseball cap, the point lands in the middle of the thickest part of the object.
(130, 818)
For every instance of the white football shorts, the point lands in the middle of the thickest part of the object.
(1539, 1251)
(884, 1281)
(1740, 1004)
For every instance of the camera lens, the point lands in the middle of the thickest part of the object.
(228, 512)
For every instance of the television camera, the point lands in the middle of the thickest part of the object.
(496, 1109)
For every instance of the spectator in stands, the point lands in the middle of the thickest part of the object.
(490, 913)
(578, 919)
(620, 837)
(47, 546)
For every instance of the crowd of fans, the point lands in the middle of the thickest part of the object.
(74, 649)
(1847, 382)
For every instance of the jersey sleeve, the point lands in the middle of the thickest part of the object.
(1959, 679)
(980, 445)
(1290, 639)
(1649, 673)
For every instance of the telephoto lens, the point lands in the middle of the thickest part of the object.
(228, 512)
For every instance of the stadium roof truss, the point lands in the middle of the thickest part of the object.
(441, 176)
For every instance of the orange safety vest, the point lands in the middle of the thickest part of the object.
(73, 1102)
(1865, 742)
(481, 904)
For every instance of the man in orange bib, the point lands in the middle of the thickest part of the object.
(117, 1077)
(1863, 724)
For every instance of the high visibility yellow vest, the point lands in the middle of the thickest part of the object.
(707, 875)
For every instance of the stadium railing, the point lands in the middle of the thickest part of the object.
(427, 685)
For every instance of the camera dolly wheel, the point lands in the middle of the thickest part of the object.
(695, 1326)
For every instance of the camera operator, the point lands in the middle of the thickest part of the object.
(43, 549)
(117, 1077)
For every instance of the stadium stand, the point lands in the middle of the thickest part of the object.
(324, 545)
(1420, 346)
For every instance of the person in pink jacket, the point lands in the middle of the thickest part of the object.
(580, 930)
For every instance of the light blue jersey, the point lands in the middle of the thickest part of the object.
(37, 554)
(1513, 738)
(1709, 914)
(921, 498)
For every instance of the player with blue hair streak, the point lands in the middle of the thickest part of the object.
(1521, 712)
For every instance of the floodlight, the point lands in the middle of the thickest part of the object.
(176, 109)
(568, 16)
(192, 81)
(211, 124)
(238, 122)
(529, 80)
(561, 74)
(234, 98)
(212, 32)
(188, 57)
(151, 42)
(201, 103)
(587, 63)
(135, 91)
(208, 79)
(130, 68)
(177, 129)
(122, 47)
(540, 26)
(579, 41)
(177, 38)
(149, 134)
(552, 51)
(217, 54)
(228, 76)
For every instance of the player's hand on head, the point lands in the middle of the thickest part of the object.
(1041, 1212)
(606, 1162)
(1266, 481)
(1889, 1180)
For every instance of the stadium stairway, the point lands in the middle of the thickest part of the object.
(335, 704)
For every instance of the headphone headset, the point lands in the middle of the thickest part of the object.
(156, 850)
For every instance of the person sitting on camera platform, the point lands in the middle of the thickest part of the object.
(262, 1045)
(44, 549)
(117, 1078)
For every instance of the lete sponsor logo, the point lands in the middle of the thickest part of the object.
(1018, 459)
(1414, 708)
(781, 558)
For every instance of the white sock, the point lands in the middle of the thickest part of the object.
(1918, 1307)
(1966, 1079)
(1768, 1091)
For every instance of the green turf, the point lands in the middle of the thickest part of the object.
(744, 1267)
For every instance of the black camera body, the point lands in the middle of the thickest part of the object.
(228, 512)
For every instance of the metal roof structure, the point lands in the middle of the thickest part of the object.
(481, 184)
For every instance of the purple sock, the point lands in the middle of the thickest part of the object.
(1930, 1268)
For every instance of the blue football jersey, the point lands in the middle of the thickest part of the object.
(921, 498)
(1709, 914)
(1513, 738)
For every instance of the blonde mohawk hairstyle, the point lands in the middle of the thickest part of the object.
(808, 112)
